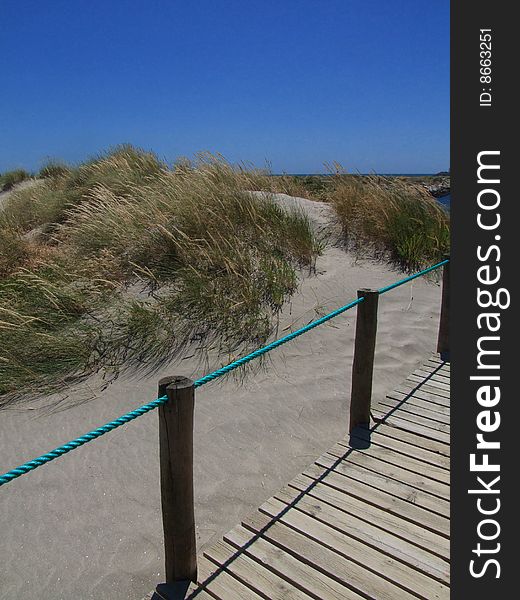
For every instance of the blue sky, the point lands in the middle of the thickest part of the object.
(296, 82)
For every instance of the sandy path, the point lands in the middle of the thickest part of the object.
(88, 525)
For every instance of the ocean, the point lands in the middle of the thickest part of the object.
(445, 200)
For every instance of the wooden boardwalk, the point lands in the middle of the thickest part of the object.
(368, 519)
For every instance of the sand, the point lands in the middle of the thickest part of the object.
(88, 525)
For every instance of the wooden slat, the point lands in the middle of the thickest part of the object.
(431, 386)
(425, 421)
(389, 404)
(409, 390)
(388, 502)
(435, 356)
(372, 514)
(425, 455)
(222, 584)
(388, 470)
(351, 573)
(371, 457)
(413, 426)
(358, 523)
(434, 369)
(414, 439)
(401, 460)
(262, 580)
(412, 400)
(379, 563)
(433, 378)
(378, 539)
(431, 366)
(302, 575)
(433, 375)
(378, 481)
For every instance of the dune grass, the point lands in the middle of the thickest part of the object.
(10, 178)
(391, 219)
(123, 262)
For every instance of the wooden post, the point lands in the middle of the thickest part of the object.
(443, 341)
(176, 456)
(363, 366)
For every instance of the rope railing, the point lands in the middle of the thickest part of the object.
(130, 416)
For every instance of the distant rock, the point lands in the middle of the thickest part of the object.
(440, 186)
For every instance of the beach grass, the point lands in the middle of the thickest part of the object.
(10, 178)
(123, 262)
(391, 219)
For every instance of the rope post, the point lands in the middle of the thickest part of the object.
(363, 366)
(443, 341)
(176, 457)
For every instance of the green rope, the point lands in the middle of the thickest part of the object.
(92, 435)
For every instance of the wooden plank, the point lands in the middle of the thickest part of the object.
(406, 449)
(422, 382)
(376, 516)
(431, 378)
(392, 504)
(266, 583)
(413, 438)
(430, 386)
(378, 481)
(340, 567)
(433, 374)
(414, 426)
(440, 409)
(435, 356)
(411, 408)
(431, 365)
(437, 365)
(372, 536)
(302, 575)
(357, 523)
(435, 369)
(406, 461)
(425, 421)
(221, 583)
(379, 563)
(409, 390)
(388, 470)
(432, 428)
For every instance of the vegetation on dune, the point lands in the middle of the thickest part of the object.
(123, 262)
(391, 219)
(10, 178)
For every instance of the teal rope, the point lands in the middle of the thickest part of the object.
(245, 359)
(392, 286)
(130, 416)
(88, 437)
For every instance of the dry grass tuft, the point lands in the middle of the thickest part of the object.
(391, 219)
(211, 263)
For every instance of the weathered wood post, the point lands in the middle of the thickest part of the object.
(176, 457)
(443, 341)
(363, 366)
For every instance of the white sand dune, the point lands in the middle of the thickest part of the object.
(88, 525)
